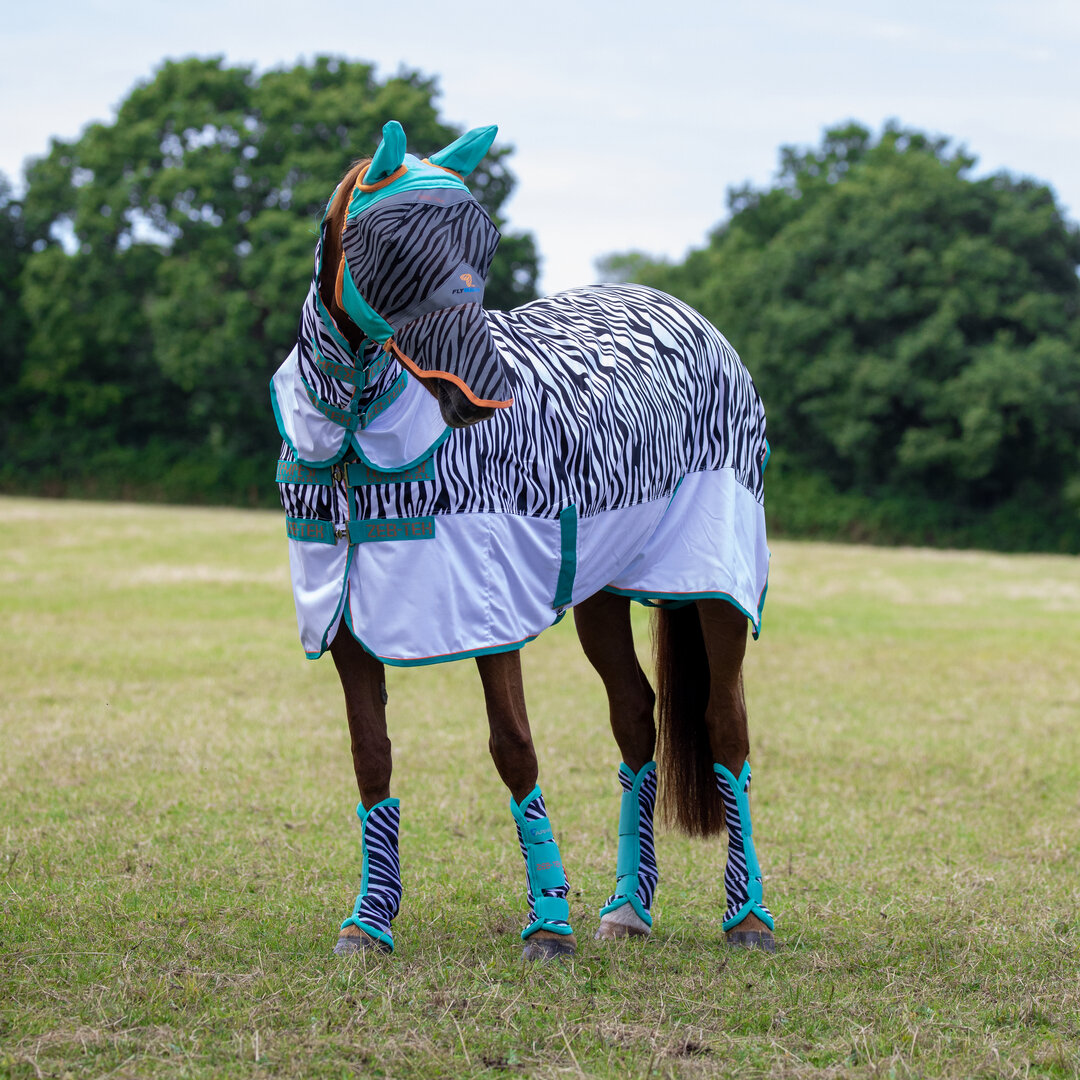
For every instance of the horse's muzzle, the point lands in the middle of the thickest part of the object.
(457, 410)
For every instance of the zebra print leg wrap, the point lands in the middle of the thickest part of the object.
(742, 877)
(636, 873)
(545, 880)
(380, 885)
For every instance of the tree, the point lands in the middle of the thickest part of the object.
(172, 250)
(915, 333)
(13, 251)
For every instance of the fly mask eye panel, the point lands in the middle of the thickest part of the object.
(417, 248)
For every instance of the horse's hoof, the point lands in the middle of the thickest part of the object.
(544, 945)
(621, 923)
(752, 939)
(352, 941)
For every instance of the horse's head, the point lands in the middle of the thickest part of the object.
(415, 252)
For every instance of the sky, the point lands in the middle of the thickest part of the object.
(629, 120)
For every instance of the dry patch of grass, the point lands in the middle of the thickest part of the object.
(178, 844)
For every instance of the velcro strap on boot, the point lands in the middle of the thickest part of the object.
(552, 909)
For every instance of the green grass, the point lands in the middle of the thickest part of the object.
(178, 843)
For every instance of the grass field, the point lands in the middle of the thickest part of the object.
(178, 842)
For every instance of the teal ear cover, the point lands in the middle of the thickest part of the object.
(464, 154)
(390, 155)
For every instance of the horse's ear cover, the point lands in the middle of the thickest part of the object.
(390, 155)
(464, 154)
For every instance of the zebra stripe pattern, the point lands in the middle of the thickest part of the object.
(534, 811)
(401, 250)
(619, 391)
(742, 875)
(646, 874)
(380, 889)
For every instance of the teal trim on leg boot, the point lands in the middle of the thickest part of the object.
(380, 883)
(546, 884)
(636, 874)
(742, 876)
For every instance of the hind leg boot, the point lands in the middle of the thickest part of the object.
(748, 923)
(627, 912)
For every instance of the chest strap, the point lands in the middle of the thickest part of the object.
(350, 420)
(352, 474)
(374, 530)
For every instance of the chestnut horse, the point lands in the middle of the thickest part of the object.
(364, 342)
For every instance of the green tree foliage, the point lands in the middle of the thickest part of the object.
(914, 333)
(162, 260)
(13, 253)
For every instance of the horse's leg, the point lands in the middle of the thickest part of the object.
(603, 626)
(549, 933)
(748, 922)
(361, 675)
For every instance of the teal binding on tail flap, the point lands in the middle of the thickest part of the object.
(741, 848)
(543, 865)
(628, 863)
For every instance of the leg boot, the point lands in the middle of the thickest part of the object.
(368, 927)
(627, 912)
(549, 933)
(742, 876)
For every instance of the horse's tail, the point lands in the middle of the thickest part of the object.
(689, 799)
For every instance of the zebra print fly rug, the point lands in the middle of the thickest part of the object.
(630, 460)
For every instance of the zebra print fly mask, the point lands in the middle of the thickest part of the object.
(417, 248)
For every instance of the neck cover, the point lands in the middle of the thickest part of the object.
(416, 250)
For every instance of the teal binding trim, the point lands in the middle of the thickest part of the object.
(753, 868)
(678, 600)
(353, 919)
(361, 312)
(564, 587)
(768, 454)
(404, 465)
(341, 606)
(418, 177)
(543, 864)
(292, 446)
(629, 858)
(427, 661)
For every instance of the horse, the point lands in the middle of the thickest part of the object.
(455, 479)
